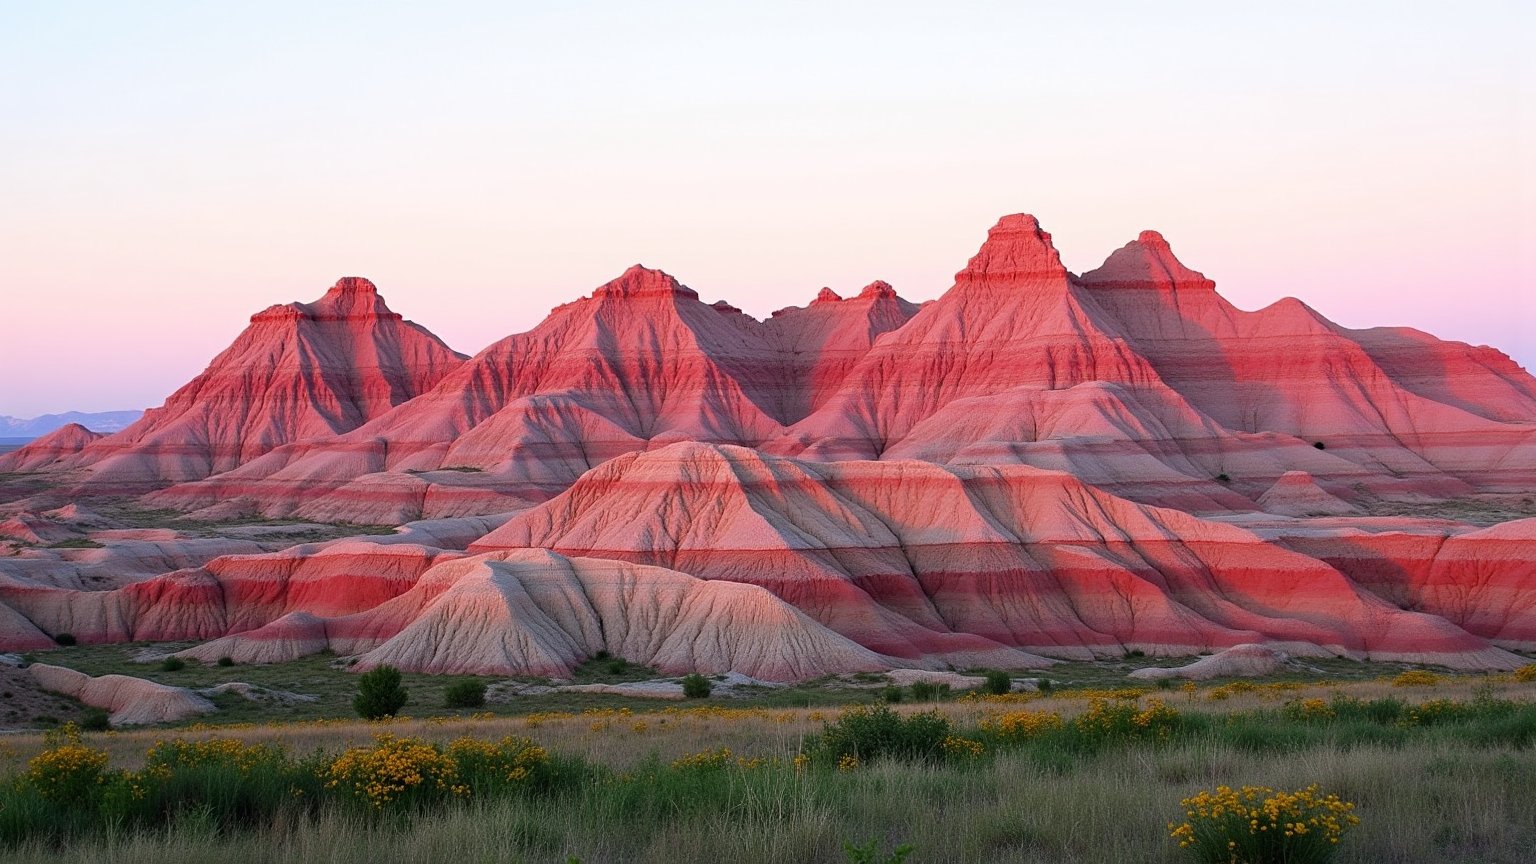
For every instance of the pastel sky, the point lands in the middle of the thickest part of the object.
(167, 169)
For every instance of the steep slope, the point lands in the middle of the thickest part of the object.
(1011, 320)
(820, 343)
(300, 370)
(50, 451)
(639, 363)
(915, 560)
(537, 613)
(1287, 369)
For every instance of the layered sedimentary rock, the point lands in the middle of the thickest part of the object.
(299, 371)
(917, 560)
(50, 451)
(1036, 464)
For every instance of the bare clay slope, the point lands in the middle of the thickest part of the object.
(916, 560)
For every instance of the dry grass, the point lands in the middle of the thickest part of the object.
(1444, 803)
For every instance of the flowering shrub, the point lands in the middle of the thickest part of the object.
(957, 747)
(1014, 726)
(68, 771)
(395, 771)
(1526, 674)
(1416, 678)
(1258, 825)
(1312, 709)
(166, 757)
(486, 767)
(1112, 722)
(707, 760)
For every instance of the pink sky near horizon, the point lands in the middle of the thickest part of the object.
(165, 174)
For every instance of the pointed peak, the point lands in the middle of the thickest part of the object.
(641, 281)
(877, 289)
(353, 285)
(1145, 263)
(350, 298)
(1017, 249)
(827, 295)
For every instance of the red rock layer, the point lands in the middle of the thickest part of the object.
(913, 559)
(299, 371)
(50, 451)
(1137, 376)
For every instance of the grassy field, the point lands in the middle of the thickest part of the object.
(1449, 784)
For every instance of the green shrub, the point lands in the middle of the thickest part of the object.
(997, 683)
(868, 733)
(1114, 722)
(892, 694)
(464, 694)
(173, 664)
(95, 720)
(696, 686)
(226, 661)
(379, 693)
(870, 853)
(65, 639)
(927, 691)
(1045, 686)
(1319, 445)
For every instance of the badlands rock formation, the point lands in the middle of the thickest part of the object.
(128, 701)
(300, 370)
(1036, 465)
(1239, 661)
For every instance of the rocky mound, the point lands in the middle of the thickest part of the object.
(300, 370)
(1296, 493)
(129, 701)
(1239, 661)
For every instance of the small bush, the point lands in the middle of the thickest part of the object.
(173, 664)
(1319, 445)
(395, 772)
(1258, 825)
(1526, 674)
(1223, 478)
(696, 686)
(464, 694)
(67, 772)
(1045, 686)
(1108, 723)
(379, 693)
(95, 720)
(1016, 726)
(1416, 678)
(997, 683)
(868, 733)
(892, 694)
(64, 639)
(927, 691)
(871, 853)
(226, 661)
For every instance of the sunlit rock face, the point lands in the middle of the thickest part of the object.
(1036, 465)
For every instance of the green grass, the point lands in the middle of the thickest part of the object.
(1449, 784)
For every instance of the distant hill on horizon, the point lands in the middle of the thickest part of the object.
(20, 430)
